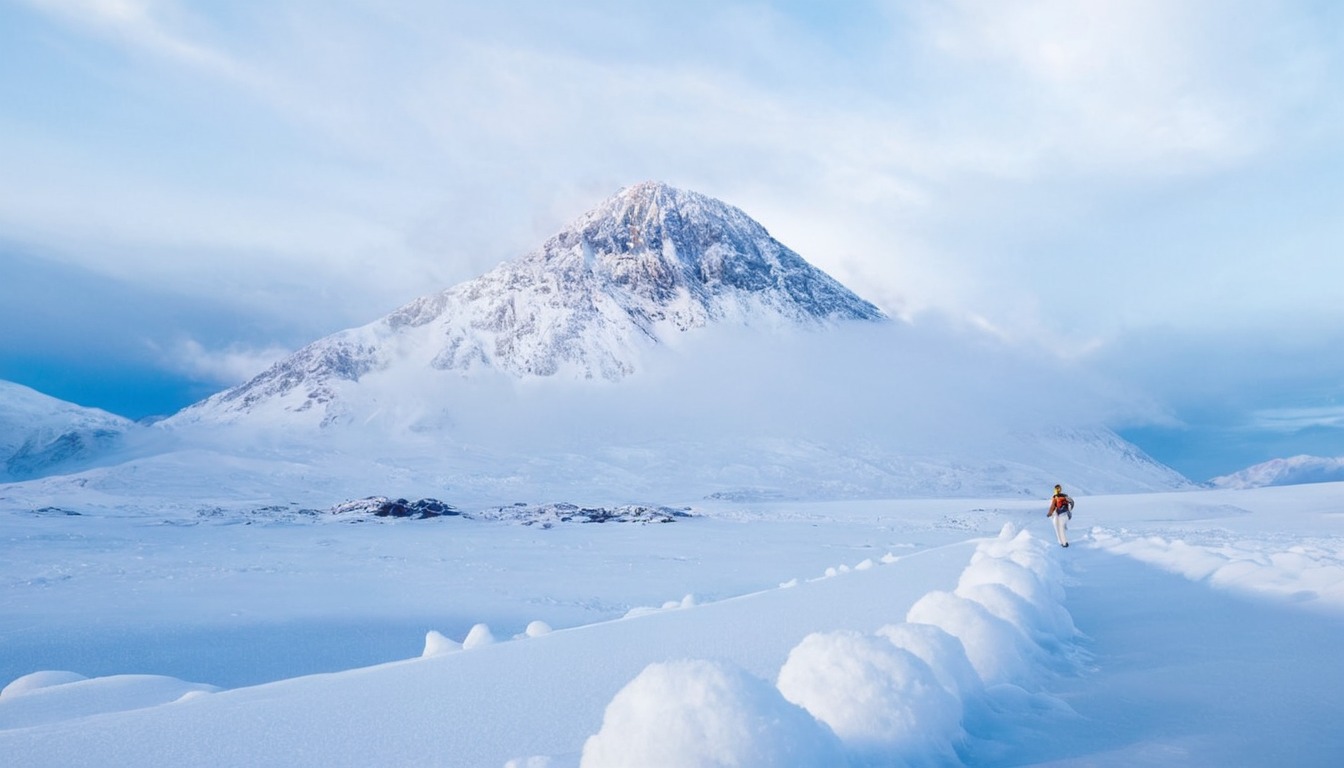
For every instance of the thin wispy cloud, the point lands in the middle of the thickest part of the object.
(1298, 419)
(225, 367)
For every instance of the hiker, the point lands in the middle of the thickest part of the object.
(1061, 508)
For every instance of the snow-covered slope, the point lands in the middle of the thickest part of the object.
(644, 266)
(1291, 471)
(41, 434)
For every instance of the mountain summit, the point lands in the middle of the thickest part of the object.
(648, 263)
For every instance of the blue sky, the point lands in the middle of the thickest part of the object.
(1152, 189)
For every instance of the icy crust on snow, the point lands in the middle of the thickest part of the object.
(916, 692)
(1303, 571)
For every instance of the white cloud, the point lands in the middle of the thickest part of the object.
(1130, 87)
(226, 367)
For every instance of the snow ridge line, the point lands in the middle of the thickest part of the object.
(943, 686)
(1301, 572)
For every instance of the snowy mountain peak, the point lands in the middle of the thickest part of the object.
(683, 256)
(648, 263)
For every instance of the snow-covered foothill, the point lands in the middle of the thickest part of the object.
(40, 434)
(1293, 470)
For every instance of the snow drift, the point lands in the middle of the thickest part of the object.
(912, 693)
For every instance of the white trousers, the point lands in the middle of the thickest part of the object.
(1062, 527)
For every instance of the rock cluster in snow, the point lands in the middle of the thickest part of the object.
(544, 515)
(381, 506)
(547, 515)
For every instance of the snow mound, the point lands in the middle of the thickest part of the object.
(479, 637)
(695, 712)
(39, 680)
(51, 697)
(913, 693)
(883, 701)
(438, 644)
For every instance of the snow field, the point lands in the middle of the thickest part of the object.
(915, 692)
(1177, 673)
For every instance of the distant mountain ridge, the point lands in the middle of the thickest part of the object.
(648, 263)
(1295, 470)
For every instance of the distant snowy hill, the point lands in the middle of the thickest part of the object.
(644, 266)
(41, 434)
(1296, 470)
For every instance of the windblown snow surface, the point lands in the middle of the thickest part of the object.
(1180, 628)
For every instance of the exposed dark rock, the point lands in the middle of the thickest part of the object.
(55, 512)
(381, 506)
(547, 515)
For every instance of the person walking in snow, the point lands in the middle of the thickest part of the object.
(1061, 508)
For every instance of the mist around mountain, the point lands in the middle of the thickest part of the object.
(662, 347)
